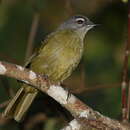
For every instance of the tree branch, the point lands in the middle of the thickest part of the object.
(125, 80)
(73, 125)
(32, 34)
(81, 112)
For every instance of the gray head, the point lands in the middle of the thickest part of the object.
(78, 23)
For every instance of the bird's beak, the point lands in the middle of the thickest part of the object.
(97, 24)
(91, 25)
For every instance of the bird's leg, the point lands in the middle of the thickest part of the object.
(68, 94)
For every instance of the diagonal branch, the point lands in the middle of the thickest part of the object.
(83, 113)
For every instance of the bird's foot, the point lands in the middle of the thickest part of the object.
(68, 91)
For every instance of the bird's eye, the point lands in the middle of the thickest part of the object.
(80, 20)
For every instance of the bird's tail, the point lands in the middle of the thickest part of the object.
(20, 103)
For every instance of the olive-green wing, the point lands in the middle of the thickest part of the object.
(36, 52)
(58, 55)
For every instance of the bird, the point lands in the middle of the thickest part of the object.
(57, 57)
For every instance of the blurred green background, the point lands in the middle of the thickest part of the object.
(97, 79)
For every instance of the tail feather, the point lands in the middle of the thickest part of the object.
(23, 105)
(10, 109)
(19, 105)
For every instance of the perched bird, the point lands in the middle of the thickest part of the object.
(57, 57)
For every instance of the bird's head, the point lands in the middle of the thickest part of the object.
(78, 23)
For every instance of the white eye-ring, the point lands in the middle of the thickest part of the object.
(80, 20)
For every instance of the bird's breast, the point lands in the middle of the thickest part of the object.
(59, 57)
